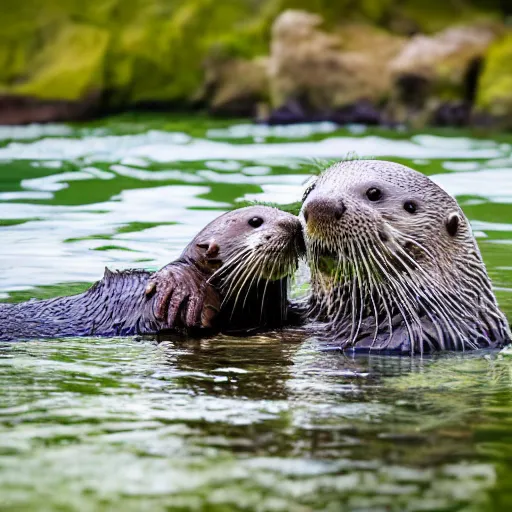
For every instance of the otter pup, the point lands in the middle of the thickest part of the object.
(394, 264)
(238, 265)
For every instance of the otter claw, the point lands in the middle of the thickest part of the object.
(150, 288)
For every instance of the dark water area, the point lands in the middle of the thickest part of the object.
(263, 423)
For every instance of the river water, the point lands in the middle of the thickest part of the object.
(267, 423)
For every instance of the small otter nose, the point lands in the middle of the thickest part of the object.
(324, 209)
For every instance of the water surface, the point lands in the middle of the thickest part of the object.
(262, 423)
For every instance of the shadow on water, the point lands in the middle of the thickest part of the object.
(263, 423)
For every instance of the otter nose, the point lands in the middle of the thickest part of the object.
(324, 209)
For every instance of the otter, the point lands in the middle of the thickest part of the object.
(238, 265)
(394, 264)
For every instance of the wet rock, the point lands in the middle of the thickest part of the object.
(234, 86)
(361, 112)
(72, 59)
(494, 96)
(433, 70)
(326, 71)
(456, 113)
(291, 112)
(23, 110)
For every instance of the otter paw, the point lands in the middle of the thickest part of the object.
(182, 297)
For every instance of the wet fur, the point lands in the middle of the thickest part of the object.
(384, 279)
(114, 306)
(250, 269)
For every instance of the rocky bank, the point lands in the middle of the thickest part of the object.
(442, 62)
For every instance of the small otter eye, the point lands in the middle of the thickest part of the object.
(373, 194)
(410, 207)
(255, 222)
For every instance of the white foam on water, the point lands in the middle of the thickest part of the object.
(162, 147)
(34, 131)
(494, 184)
(39, 244)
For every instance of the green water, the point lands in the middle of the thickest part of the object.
(270, 423)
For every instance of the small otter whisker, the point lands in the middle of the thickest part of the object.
(239, 267)
(372, 288)
(265, 291)
(249, 270)
(446, 316)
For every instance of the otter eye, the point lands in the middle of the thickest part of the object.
(373, 194)
(255, 222)
(410, 207)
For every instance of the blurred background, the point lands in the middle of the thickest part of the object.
(439, 62)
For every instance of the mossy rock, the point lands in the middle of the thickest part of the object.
(129, 52)
(327, 70)
(136, 50)
(495, 85)
(410, 16)
(70, 66)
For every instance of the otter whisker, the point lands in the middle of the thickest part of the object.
(250, 270)
(446, 316)
(401, 304)
(236, 277)
(372, 287)
(230, 268)
(360, 287)
(265, 290)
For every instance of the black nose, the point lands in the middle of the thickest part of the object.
(324, 210)
(291, 226)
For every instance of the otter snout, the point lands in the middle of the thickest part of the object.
(291, 229)
(323, 210)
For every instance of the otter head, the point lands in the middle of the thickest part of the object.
(246, 245)
(388, 247)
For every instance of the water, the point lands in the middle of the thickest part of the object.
(267, 423)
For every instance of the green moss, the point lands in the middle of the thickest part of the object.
(70, 66)
(434, 15)
(495, 85)
(160, 57)
(154, 50)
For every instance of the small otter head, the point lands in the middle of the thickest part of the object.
(255, 242)
(386, 245)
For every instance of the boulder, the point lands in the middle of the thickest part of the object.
(323, 70)
(431, 71)
(235, 86)
(495, 85)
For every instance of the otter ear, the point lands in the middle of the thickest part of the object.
(212, 248)
(452, 223)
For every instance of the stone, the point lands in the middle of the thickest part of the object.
(328, 70)
(235, 86)
(433, 70)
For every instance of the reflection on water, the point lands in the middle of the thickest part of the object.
(261, 423)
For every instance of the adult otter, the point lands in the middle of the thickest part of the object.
(238, 264)
(394, 264)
